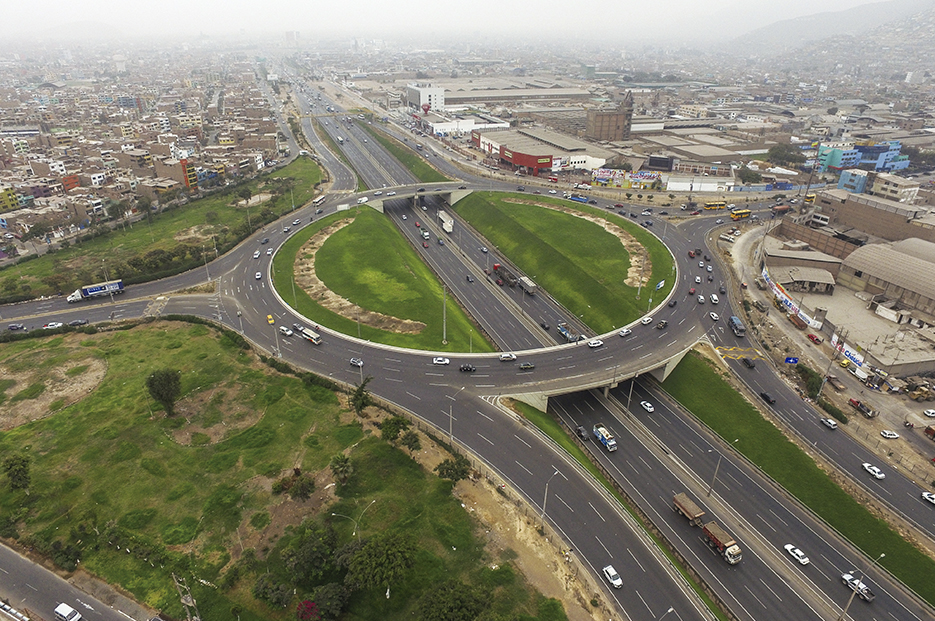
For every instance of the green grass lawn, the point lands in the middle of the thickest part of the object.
(416, 164)
(373, 266)
(576, 261)
(698, 387)
(145, 249)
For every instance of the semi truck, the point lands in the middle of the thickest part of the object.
(606, 438)
(448, 223)
(567, 333)
(687, 507)
(863, 408)
(505, 274)
(719, 539)
(96, 291)
(527, 285)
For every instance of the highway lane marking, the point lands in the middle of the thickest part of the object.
(484, 415)
(392, 379)
(635, 560)
(438, 385)
(413, 396)
(392, 369)
(568, 367)
(31, 587)
(692, 328)
(779, 518)
(597, 512)
(603, 546)
(643, 600)
(605, 358)
(754, 596)
(485, 385)
(559, 359)
(435, 374)
(393, 359)
(770, 590)
(488, 441)
(671, 344)
(763, 519)
(644, 461)
(687, 452)
(564, 503)
(523, 467)
(646, 355)
(638, 346)
(521, 440)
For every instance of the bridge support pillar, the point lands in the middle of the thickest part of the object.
(661, 373)
(534, 399)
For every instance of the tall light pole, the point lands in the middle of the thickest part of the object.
(718, 467)
(444, 314)
(451, 417)
(861, 575)
(545, 498)
(671, 609)
(359, 517)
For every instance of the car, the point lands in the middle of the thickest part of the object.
(646, 213)
(441, 242)
(552, 192)
(439, 360)
(507, 357)
(648, 223)
(286, 229)
(582, 433)
(484, 249)
(613, 577)
(421, 190)
(672, 303)
(722, 290)
(701, 299)
(663, 213)
(929, 413)
(467, 368)
(259, 275)
(714, 316)
(747, 362)
(265, 240)
(633, 215)
(404, 217)
(543, 325)
(646, 405)
(256, 255)
(929, 496)
(527, 366)
(696, 213)
(470, 278)
(592, 202)
(646, 320)
(462, 187)
(875, 472)
(357, 362)
(595, 343)
(618, 205)
(391, 193)
(697, 280)
(270, 320)
(707, 258)
(16, 326)
(796, 554)
(269, 251)
(829, 423)
(889, 435)
(418, 225)
(520, 188)
(318, 211)
(286, 331)
(296, 222)
(52, 325)
(500, 282)
(817, 340)
(626, 332)
(770, 399)
(709, 269)
(425, 244)
(719, 221)
(8, 236)
(378, 192)
(710, 278)
(700, 263)
(691, 291)
(662, 325)
(78, 322)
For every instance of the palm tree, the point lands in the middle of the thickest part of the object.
(341, 467)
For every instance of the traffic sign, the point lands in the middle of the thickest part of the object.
(791, 360)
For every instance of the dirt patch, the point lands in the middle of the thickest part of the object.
(307, 279)
(61, 386)
(203, 413)
(639, 259)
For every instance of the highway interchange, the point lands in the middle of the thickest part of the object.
(660, 453)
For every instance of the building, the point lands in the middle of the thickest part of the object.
(876, 156)
(886, 219)
(419, 95)
(611, 125)
(539, 150)
(884, 185)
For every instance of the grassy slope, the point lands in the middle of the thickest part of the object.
(415, 163)
(370, 264)
(576, 261)
(732, 416)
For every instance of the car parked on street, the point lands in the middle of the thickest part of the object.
(78, 322)
(889, 435)
(507, 357)
(817, 340)
(52, 325)
(829, 423)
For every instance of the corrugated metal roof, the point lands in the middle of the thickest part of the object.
(890, 265)
(918, 248)
(792, 273)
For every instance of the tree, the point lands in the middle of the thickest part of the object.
(452, 600)
(380, 561)
(341, 467)
(307, 610)
(454, 469)
(833, 110)
(245, 193)
(392, 427)
(361, 397)
(165, 386)
(266, 589)
(302, 487)
(411, 441)
(17, 469)
(785, 154)
(749, 176)
(331, 599)
(310, 554)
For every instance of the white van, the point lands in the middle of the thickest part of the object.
(726, 238)
(64, 612)
(362, 200)
(714, 299)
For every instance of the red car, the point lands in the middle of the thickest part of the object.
(618, 205)
(417, 225)
(425, 244)
(696, 213)
(817, 340)
(691, 291)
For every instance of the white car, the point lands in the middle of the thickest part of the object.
(269, 251)
(700, 263)
(646, 320)
(595, 343)
(714, 316)
(889, 435)
(357, 362)
(613, 577)
(52, 325)
(701, 299)
(648, 406)
(259, 276)
(507, 357)
(256, 255)
(698, 280)
(796, 554)
(441, 361)
(552, 192)
(709, 268)
(719, 221)
(626, 332)
(484, 249)
(929, 496)
(875, 472)
(404, 217)
(296, 222)
(378, 192)
(391, 193)
(830, 424)
(285, 331)
(929, 413)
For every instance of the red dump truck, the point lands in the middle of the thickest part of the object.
(719, 539)
(687, 507)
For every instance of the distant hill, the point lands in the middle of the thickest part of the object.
(792, 34)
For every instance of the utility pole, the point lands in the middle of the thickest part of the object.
(444, 314)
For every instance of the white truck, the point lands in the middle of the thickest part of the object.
(855, 584)
(607, 439)
(527, 285)
(96, 291)
(448, 223)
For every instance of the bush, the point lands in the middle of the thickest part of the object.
(811, 378)
(832, 410)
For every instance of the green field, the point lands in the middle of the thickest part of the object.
(576, 261)
(416, 164)
(175, 240)
(136, 495)
(696, 385)
(373, 266)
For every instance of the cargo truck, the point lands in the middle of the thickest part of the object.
(687, 507)
(719, 539)
(863, 408)
(505, 274)
(606, 438)
(567, 333)
(835, 382)
(930, 432)
(96, 291)
(448, 223)
(527, 285)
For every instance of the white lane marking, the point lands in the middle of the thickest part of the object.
(564, 503)
(392, 379)
(412, 395)
(484, 415)
(522, 466)
(488, 441)
(597, 512)
(635, 560)
(603, 546)
(521, 440)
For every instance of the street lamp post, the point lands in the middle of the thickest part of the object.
(545, 498)
(861, 575)
(359, 517)
(718, 467)
(671, 609)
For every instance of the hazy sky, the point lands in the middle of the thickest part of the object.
(52, 19)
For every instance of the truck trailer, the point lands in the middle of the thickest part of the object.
(448, 223)
(527, 285)
(606, 438)
(719, 539)
(567, 333)
(687, 507)
(505, 275)
(96, 291)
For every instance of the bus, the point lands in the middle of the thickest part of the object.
(809, 199)
(739, 214)
(715, 205)
(736, 326)
(308, 334)
(318, 201)
(553, 179)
